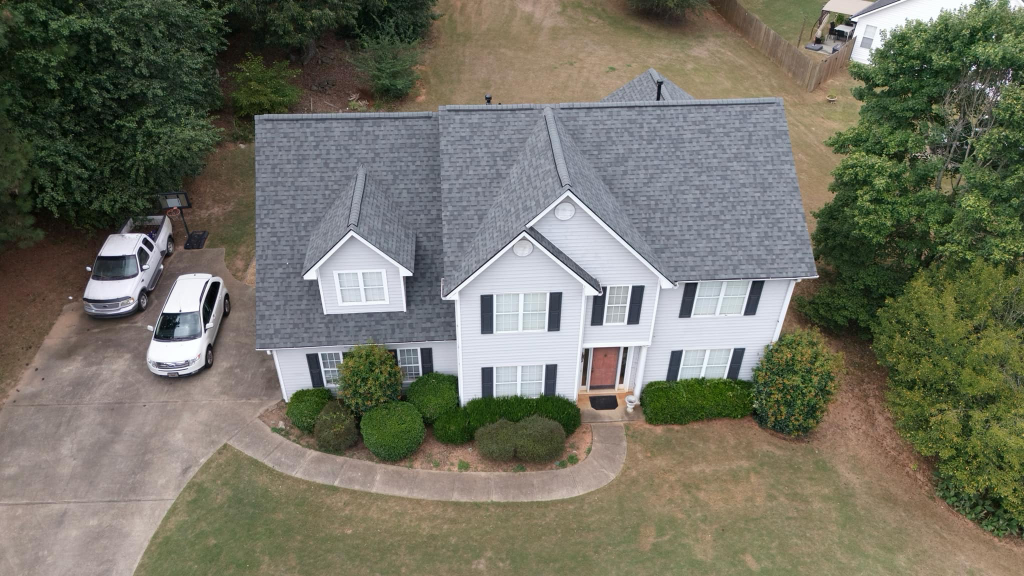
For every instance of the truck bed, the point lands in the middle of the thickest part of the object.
(150, 226)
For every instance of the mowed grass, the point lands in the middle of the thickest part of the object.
(582, 50)
(712, 498)
(786, 17)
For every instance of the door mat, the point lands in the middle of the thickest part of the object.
(604, 402)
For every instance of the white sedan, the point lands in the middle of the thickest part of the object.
(188, 325)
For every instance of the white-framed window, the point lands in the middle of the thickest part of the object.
(705, 363)
(525, 381)
(721, 298)
(869, 36)
(330, 366)
(616, 304)
(409, 362)
(361, 287)
(521, 312)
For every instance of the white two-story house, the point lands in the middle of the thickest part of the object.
(530, 249)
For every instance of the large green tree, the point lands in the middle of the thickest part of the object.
(296, 24)
(112, 96)
(954, 346)
(934, 169)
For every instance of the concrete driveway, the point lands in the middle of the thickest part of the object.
(94, 448)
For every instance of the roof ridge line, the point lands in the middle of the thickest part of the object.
(556, 147)
(357, 196)
(634, 104)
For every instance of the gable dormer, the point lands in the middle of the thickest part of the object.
(361, 251)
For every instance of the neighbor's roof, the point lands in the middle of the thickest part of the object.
(703, 189)
(644, 88)
(876, 6)
(363, 207)
(846, 6)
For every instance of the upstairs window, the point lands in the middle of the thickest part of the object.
(521, 312)
(721, 298)
(616, 305)
(361, 287)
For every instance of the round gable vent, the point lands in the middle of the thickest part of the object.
(523, 248)
(564, 211)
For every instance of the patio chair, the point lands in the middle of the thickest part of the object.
(831, 29)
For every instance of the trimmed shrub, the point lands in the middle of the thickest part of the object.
(481, 412)
(685, 401)
(305, 406)
(392, 431)
(561, 410)
(497, 441)
(434, 394)
(335, 429)
(515, 408)
(263, 90)
(387, 62)
(369, 377)
(453, 427)
(794, 383)
(539, 439)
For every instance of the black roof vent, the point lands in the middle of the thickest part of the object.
(487, 98)
(659, 83)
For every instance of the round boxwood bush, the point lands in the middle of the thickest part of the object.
(434, 394)
(392, 431)
(539, 439)
(561, 410)
(305, 406)
(453, 427)
(794, 383)
(369, 377)
(497, 441)
(335, 429)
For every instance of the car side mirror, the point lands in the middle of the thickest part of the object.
(150, 328)
(209, 326)
(88, 268)
(145, 266)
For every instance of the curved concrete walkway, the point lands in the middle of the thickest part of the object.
(607, 455)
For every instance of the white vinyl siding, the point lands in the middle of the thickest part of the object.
(355, 263)
(752, 333)
(616, 305)
(898, 14)
(409, 362)
(521, 312)
(721, 298)
(525, 381)
(294, 370)
(511, 274)
(585, 241)
(704, 363)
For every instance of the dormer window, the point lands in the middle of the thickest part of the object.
(361, 287)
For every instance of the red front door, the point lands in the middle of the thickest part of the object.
(602, 368)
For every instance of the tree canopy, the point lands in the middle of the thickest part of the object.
(954, 347)
(296, 24)
(934, 168)
(112, 98)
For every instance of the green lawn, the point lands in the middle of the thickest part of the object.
(787, 16)
(711, 498)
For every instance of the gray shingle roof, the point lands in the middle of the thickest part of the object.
(644, 88)
(876, 6)
(706, 189)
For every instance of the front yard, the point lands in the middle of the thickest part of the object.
(719, 497)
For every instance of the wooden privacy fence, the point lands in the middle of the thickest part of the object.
(807, 72)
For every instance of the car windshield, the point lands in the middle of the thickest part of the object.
(172, 327)
(115, 267)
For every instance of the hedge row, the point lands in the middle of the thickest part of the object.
(684, 401)
(459, 426)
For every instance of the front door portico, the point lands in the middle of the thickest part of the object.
(604, 365)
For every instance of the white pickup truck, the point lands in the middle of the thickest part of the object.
(128, 268)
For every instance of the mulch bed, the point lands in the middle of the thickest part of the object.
(432, 454)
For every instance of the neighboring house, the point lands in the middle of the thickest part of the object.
(530, 249)
(885, 15)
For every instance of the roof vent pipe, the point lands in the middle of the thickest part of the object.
(487, 98)
(659, 83)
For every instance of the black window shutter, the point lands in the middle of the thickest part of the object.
(636, 302)
(550, 378)
(313, 361)
(554, 312)
(487, 314)
(734, 364)
(487, 382)
(755, 296)
(427, 360)
(597, 312)
(689, 293)
(674, 360)
(394, 354)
